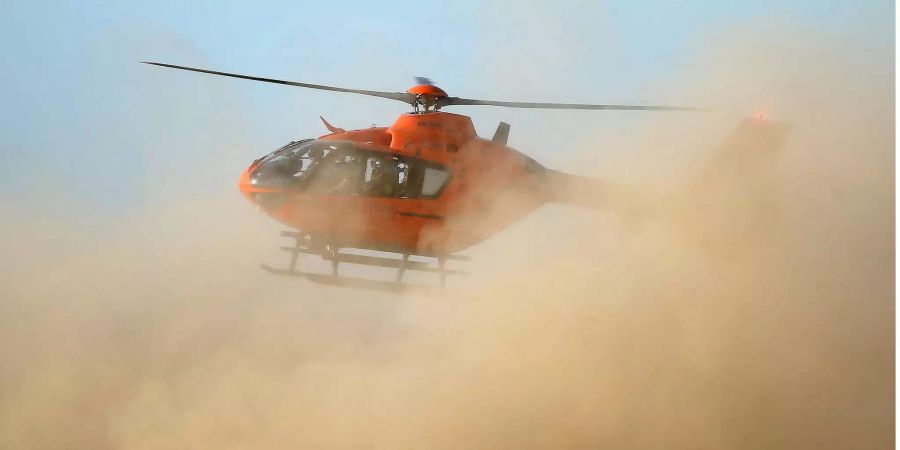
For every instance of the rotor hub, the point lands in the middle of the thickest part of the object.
(427, 96)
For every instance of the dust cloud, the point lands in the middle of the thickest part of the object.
(697, 326)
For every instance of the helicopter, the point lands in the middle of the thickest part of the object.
(427, 186)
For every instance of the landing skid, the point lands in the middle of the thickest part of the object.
(351, 282)
(306, 244)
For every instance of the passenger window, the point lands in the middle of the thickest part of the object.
(402, 179)
(380, 177)
(433, 181)
(341, 169)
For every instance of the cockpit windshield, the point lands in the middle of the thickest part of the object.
(291, 165)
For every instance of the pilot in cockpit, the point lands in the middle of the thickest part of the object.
(342, 174)
(378, 183)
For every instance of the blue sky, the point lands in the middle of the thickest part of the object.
(83, 120)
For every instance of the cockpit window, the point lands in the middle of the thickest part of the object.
(341, 168)
(339, 172)
(287, 150)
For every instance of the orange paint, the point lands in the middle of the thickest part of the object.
(489, 187)
(427, 89)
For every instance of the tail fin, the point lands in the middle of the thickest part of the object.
(735, 201)
(746, 160)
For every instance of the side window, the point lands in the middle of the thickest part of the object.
(418, 179)
(380, 178)
(433, 181)
(340, 169)
(339, 173)
(421, 179)
(402, 179)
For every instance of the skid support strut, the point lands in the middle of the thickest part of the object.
(304, 243)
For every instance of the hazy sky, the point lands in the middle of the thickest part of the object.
(77, 106)
(750, 305)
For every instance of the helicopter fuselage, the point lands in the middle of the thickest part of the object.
(425, 185)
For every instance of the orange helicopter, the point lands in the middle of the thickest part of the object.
(426, 186)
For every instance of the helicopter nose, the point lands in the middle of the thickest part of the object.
(244, 181)
(265, 194)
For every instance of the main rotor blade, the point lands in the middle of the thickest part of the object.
(448, 101)
(401, 96)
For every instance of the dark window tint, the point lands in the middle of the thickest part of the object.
(341, 168)
(400, 177)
